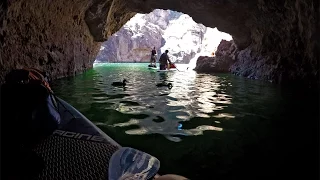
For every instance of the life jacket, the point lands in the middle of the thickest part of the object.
(28, 76)
(36, 75)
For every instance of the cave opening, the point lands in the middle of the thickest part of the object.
(170, 30)
(261, 123)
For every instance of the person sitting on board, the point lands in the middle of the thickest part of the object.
(153, 57)
(164, 59)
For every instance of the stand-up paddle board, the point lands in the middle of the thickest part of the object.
(153, 68)
(167, 70)
(75, 149)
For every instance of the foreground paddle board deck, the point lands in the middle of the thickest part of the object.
(78, 149)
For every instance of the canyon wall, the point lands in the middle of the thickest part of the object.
(161, 29)
(225, 56)
(46, 35)
(135, 40)
(284, 45)
(277, 40)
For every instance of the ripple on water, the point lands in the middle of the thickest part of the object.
(160, 109)
(131, 103)
(158, 119)
(214, 120)
(99, 94)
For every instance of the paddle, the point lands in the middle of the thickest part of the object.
(175, 66)
(129, 163)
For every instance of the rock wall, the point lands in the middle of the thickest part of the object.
(46, 35)
(160, 29)
(224, 58)
(279, 39)
(135, 40)
(183, 43)
(284, 45)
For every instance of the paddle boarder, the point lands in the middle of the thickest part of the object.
(153, 57)
(164, 59)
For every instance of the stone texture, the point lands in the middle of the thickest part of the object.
(284, 47)
(184, 39)
(46, 35)
(278, 39)
(160, 29)
(135, 40)
(224, 57)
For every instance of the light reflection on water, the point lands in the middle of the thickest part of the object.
(192, 95)
(224, 124)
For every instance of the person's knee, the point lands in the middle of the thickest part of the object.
(171, 177)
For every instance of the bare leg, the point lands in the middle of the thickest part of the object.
(170, 177)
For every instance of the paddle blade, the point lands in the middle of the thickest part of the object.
(173, 66)
(128, 163)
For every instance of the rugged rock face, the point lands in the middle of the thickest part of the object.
(278, 38)
(183, 43)
(135, 40)
(224, 57)
(126, 46)
(160, 29)
(46, 35)
(284, 46)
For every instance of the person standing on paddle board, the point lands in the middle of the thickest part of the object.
(153, 57)
(164, 59)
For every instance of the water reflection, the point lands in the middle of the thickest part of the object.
(166, 128)
(223, 123)
(192, 95)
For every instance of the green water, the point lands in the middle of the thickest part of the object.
(206, 126)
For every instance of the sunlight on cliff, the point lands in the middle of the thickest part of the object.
(210, 43)
(185, 39)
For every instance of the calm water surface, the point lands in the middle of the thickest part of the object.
(206, 126)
